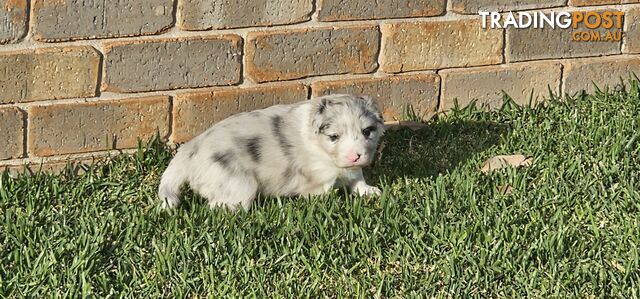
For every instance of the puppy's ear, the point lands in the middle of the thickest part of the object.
(372, 107)
(318, 116)
(369, 101)
(322, 106)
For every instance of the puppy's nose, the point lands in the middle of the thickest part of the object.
(354, 157)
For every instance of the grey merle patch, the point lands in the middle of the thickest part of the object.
(253, 145)
(223, 159)
(276, 126)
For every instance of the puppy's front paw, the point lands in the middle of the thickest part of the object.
(368, 191)
(169, 204)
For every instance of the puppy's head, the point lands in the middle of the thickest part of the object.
(347, 128)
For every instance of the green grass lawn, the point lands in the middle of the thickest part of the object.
(569, 227)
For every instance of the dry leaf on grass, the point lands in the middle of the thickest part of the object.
(504, 190)
(397, 124)
(499, 162)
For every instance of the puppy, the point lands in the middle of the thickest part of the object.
(300, 149)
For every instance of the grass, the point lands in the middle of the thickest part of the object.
(569, 226)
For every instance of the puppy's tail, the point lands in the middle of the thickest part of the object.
(172, 180)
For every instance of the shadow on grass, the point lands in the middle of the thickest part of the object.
(425, 153)
(438, 148)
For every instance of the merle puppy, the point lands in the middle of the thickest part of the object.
(300, 149)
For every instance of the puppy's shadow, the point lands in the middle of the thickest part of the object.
(435, 149)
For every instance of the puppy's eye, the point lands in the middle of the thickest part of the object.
(334, 137)
(367, 131)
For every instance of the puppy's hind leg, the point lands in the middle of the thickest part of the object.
(231, 189)
(172, 179)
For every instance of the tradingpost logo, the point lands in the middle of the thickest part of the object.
(602, 26)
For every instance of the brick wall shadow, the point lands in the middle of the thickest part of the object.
(433, 150)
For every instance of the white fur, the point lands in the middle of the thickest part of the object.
(280, 150)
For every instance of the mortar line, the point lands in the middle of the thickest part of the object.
(504, 46)
(380, 49)
(314, 11)
(28, 23)
(439, 104)
(25, 132)
(170, 129)
(562, 87)
(101, 73)
(309, 91)
(244, 77)
(174, 15)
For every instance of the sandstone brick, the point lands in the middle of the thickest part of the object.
(486, 84)
(439, 44)
(474, 6)
(339, 10)
(219, 14)
(393, 94)
(294, 54)
(13, 170)
(172, 63)
(632, 31)
(71, 20)
(194, 112)
(93, 126)
(532, 44)
(13, 20)
(581, 74)
(56, 167)
(51, 73)
(11, 133)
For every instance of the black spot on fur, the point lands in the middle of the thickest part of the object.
(253, 148)
(323, 127)
(223, 159)
(276, 127)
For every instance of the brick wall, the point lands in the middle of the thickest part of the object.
(81, 79)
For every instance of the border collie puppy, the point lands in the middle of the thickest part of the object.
(304, 148)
